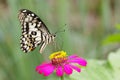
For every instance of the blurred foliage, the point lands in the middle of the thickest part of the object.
(101, 69)
(89, 23)
(113, 38)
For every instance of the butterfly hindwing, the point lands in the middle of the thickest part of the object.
(34, 31)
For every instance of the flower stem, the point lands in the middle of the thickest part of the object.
(62, 78)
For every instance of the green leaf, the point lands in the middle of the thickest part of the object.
(112, 39)
(96, 70)
(114, 59)
(117, 26)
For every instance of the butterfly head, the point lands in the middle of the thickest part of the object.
(53, 37)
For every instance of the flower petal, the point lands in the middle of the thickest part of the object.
(75, 68)
(68, 70)
(59, 71)
(79, 60)
(48, 70)
(72, 56)
(42, 65)
(45, 69)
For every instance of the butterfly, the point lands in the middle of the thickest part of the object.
(34, 32)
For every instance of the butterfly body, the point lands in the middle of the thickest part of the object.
(34, 31)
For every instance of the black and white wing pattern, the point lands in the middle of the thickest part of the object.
(34, 31)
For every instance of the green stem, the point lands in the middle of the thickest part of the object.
(62, 78)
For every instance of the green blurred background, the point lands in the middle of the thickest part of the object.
(87, 24)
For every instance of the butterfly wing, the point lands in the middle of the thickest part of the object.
(33, 30)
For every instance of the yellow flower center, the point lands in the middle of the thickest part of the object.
(58, 58)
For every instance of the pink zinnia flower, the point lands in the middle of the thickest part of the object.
(61, 63)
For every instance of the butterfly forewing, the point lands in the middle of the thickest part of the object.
(34, 31)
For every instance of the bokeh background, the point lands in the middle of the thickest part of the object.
(90, 29)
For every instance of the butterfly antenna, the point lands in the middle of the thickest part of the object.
(59, 31)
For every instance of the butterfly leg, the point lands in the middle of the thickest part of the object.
(43, 45)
